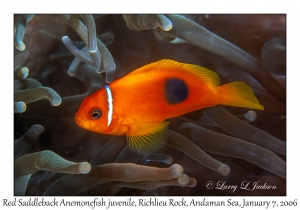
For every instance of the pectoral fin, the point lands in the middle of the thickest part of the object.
(147, 138)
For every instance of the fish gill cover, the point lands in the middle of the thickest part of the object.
(61, 59)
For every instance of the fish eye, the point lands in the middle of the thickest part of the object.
(95, 114)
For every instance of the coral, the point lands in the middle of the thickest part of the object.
(236, 47)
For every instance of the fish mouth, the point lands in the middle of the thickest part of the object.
(82, 123)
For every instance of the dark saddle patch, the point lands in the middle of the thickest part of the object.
(176, 90)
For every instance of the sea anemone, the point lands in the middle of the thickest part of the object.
(68, 57)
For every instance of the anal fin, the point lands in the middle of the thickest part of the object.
(147, 138)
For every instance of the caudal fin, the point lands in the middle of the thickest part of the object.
(238, 94)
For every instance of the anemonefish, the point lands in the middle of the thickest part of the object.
(138, 104)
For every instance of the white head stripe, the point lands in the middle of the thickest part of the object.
(110, 104)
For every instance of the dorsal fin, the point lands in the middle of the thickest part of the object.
(209, 77)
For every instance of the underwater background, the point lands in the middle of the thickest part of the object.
(252, 49)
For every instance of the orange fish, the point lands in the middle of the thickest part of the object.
(137, 104)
